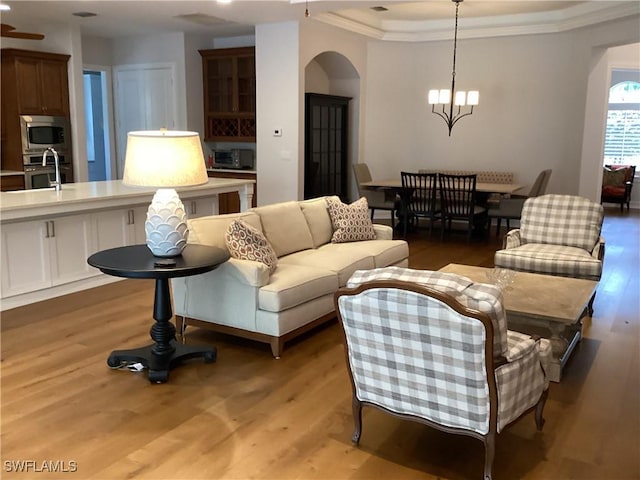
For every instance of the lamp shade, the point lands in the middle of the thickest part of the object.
(164, 158)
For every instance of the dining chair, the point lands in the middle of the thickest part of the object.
(378, 199)
(420, 198)
(511, 208)
(458, 202)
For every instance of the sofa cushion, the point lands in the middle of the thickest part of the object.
(292, 285)
(285, 227)
(351, 223)
(341, 262)
(248, 243)
(211, 230)
(383, 252)
(316, 212)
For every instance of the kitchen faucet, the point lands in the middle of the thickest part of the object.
(57, 184)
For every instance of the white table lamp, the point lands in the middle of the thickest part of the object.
(165, 159)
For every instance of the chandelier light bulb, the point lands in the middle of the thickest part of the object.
(445, 96)
(460, 99)
(473, 97)
(434, 96)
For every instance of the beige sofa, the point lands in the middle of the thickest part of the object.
(241, 298)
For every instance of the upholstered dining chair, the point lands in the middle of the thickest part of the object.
(458, 202)
(617, 182)
(378, 199)
(421, 198)
(558, 235)
(511, 208)
(434, 348)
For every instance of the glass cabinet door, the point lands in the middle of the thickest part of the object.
(220, 84)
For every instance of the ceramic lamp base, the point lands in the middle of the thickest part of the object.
(166, 225)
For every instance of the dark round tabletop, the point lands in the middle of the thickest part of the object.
(137, 261)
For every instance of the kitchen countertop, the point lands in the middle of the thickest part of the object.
(86, 196)
(10, 173)
(231, 170)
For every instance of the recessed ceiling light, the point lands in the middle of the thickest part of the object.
(225, 1)
(380, 9)
(84, 14)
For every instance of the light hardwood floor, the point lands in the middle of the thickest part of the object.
(250, 416)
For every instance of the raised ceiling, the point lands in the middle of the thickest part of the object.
(402, 20)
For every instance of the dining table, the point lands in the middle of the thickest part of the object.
(485, 190)
(483, 187)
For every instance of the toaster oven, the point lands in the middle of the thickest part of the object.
(236, 158)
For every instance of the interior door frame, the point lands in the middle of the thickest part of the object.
(107, 115)
(329, 100)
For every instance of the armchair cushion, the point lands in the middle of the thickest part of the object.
(558, 260)
(561, 220)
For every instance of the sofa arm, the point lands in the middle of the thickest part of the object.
(383, 232)
(248, 272)
(598, 249)
(512, 239)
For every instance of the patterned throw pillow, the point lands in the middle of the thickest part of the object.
(614, 178)
(248, 243)
(351, 223)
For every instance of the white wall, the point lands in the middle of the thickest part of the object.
(526, 121)
(533, 96)
(278, 106)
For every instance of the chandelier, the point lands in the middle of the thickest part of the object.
(450, 99)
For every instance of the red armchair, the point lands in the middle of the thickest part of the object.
(617, 181)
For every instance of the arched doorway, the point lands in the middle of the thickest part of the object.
(331, 74)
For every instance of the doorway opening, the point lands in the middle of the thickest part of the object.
(97, 127)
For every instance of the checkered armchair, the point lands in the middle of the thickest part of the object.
(558, 235)
(433, 347)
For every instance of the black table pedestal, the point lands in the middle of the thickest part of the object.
(166, 352)
(137, 261)
(159, 365)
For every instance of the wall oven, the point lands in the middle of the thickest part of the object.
(40, 132)
(37, 176)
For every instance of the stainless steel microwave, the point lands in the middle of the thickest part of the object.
(235, 158)
(40, 132)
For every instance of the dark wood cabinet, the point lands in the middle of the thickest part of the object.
(229, 87)
(32, 83)
(40, 79)
(11, 182)
(230, 202)
(326, 145)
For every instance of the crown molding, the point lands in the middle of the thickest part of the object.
(582, 15)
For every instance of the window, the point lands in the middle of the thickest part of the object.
(622, 136)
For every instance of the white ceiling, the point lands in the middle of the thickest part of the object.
(406, 21)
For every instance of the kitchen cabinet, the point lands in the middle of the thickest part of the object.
(229, 88)
(39, 79)
(230, 202)
(33, 83)
(12, 182)
(117, 228)
(40, 254)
